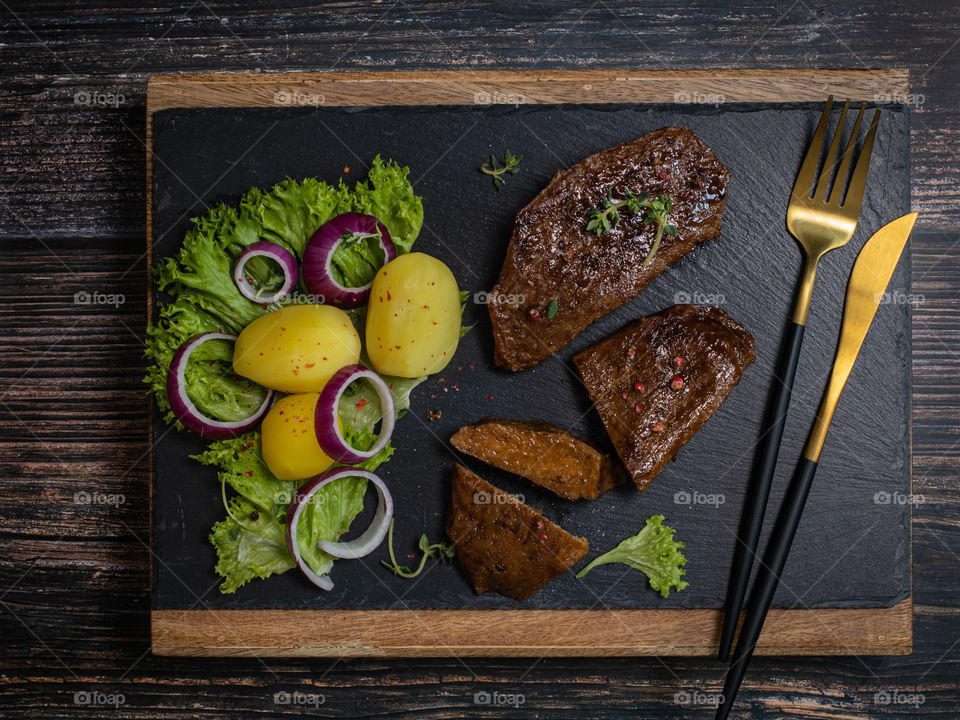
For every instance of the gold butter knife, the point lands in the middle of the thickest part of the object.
(868, 282)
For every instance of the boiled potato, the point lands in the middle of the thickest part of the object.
(413, 320)
(289, 441)
(297, 348)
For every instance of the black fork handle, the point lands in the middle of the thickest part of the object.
(768, 579)
(758, 492)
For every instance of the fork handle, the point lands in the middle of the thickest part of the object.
(758, 492)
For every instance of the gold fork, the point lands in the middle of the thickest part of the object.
(820, 224)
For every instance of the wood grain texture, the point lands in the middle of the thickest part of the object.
(519, 633)
(485, 87)
(73, 579)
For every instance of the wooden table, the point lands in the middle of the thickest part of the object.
(73, 501)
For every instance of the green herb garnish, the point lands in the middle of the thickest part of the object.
(352, 236)
(553, 307)
(607, 216)
(443, 548)
(511, 164)
(654, 552)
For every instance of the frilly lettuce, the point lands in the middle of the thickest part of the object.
(654, 552)
(244, 555)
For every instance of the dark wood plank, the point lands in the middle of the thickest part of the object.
(79, 579)
(118, 55)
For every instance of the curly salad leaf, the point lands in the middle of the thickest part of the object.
(250, 541)
(654, 552)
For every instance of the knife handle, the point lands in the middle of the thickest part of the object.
(768, 578)
(755, 503)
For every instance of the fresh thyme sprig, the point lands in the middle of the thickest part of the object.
(511, 164)
(444, 549)
(656, 210)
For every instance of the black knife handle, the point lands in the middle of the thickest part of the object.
(768, 578)
(758, 492)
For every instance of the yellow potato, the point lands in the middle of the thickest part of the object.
(413, 319)
(289, 440)
(297, 348)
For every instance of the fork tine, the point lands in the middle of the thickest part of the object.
(854, 196)
(801, 188)
(827, 170)
(841, 180)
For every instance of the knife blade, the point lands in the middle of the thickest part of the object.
(868, 283)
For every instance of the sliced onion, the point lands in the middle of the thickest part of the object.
(325, 419)
(361, 546)
(283, 257)
(317, 266)
(187, 412)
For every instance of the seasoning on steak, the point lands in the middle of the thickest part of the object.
(553, 257)
(543, 453)
(502, 544)
(657, 381)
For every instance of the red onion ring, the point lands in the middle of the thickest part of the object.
(361, 546)
(184, 408)
(317, 265)
(325, 423)
(272, 251)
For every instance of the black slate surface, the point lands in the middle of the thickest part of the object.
(851, 549)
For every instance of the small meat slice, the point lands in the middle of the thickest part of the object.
(659, 379)
(543, 453)
(552, 255)
(502, 544)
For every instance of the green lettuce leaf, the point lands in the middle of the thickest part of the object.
(654, 552)
(388, 195)
(247, 554)
(202, 273)
(292, 211)
(355, 262)
(242, 467)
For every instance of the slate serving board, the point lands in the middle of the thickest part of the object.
(852, 549)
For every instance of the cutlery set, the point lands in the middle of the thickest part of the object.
(820, 223)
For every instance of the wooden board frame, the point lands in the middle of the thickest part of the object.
(513, 633)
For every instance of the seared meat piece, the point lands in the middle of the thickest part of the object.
(552, 255)
(657, 381)
(501, 543)
(543, 453)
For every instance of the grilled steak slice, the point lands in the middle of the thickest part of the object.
(657, 381)
(541, 452)
(501, 543)
(552, 256)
